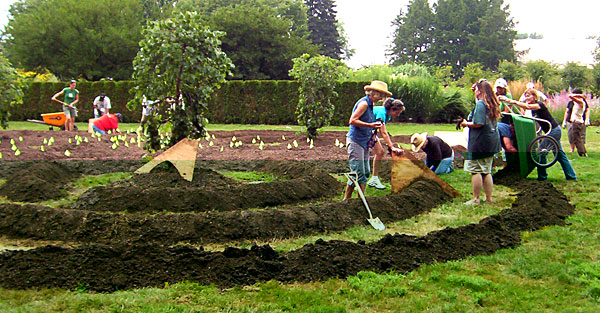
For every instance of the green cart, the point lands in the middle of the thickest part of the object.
(536, 149)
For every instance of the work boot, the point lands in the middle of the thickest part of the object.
(375, 182)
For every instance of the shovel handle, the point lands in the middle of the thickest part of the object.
(351, 176)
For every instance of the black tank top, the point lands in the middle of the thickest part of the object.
(544, 114)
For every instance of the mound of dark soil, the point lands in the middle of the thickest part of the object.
(38, 181)
(165, 190)
(30, 221)
(103, 268)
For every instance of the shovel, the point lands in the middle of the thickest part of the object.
(375, 222)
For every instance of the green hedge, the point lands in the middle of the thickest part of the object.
(238, 102)
(37, 97)
(243, 102)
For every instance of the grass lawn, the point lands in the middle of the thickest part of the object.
(556, 269)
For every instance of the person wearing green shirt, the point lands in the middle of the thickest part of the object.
(71, 97)
(501, 87)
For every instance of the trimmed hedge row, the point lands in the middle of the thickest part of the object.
(237, 102)
(36, 99)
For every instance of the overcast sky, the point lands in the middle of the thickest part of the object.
(368, 23)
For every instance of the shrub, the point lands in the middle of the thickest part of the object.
(421, 96)
(12, 93)
(319, 78)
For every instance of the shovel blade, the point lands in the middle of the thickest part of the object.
(376, 223)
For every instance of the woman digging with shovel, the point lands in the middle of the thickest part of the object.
(362, 122)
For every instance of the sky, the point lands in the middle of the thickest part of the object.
(564, 24)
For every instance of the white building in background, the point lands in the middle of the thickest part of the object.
(558, 50)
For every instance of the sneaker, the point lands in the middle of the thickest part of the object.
(375, 182)
(472, 202)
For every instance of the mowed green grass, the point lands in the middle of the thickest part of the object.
(556, 269)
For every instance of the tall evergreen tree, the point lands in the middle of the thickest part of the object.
(322, 23)
(455, 33)
(413, 33)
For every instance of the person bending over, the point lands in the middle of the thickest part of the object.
(391, 108)
(107, 122)
(440, 156)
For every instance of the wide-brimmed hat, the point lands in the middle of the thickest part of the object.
(417, 141)
(378, 86)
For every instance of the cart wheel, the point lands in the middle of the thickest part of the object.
(543, 151)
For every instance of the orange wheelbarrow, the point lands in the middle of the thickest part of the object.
(57, 119)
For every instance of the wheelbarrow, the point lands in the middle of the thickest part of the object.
(536, 149)
(56, 119)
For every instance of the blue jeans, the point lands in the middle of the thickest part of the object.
(98, 130)
(567, 168)
(446, 165)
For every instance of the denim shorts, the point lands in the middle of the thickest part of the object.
(358, 158)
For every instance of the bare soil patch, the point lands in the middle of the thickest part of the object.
(131, 233)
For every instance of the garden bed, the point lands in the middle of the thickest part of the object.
(136, 233)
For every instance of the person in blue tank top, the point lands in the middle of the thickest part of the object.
(391, 108)
(362, 123)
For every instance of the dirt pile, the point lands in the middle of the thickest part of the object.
(38, 181)
(164, 190)
(104, 268)
(39, 222)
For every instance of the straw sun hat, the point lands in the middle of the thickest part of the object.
(417, 141)
(378, 86)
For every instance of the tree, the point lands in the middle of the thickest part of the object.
(12, 93)
(262, 36)
(412, 34)
(576, 76)
(454, 32)
(260, 45)
(94, 39)
(323, 26)
(319, 77)
(492, 37)
(180, 58)
(540, 71)
(510, 71)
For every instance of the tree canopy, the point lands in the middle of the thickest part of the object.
(10, 85)
(455, 33)
(179, 58)
(94, 39)
(318, 76)
(323, 26)
(261, 36)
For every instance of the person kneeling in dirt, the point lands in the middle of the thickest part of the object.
(391, 108)
(440, 156)
(107, 122)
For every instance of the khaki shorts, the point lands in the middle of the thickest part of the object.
(479, 166)
(69, 111)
